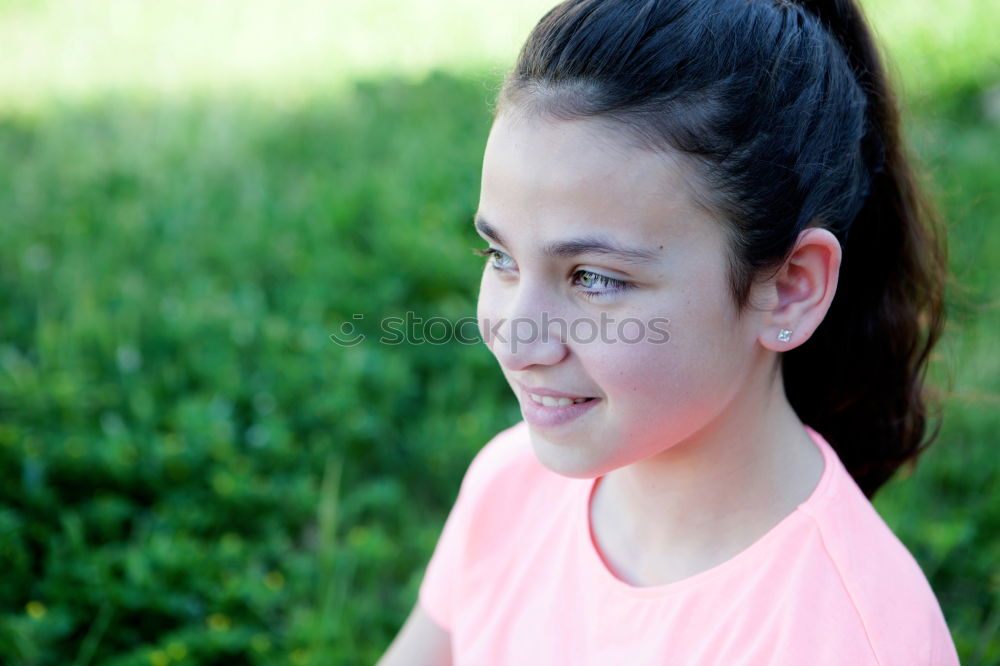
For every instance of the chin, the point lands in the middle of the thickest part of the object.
(565, 459)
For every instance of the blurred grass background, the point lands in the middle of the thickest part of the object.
(195, 195)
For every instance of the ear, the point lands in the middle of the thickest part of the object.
(798, 296)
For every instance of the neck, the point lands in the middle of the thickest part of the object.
(706, 499)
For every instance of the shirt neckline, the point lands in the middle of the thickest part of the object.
(603, 573)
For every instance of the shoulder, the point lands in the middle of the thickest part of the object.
(508, 446)
(508, 496)
(493, 466)
(880, 579)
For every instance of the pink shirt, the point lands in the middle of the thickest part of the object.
(516, 579)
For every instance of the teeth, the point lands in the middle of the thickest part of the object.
(549, 401)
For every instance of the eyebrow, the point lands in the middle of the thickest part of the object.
(593, 244)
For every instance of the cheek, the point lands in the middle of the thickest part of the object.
(639, 371)
(677, 359)
(487, 312)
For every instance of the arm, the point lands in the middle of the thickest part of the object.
(420, 642)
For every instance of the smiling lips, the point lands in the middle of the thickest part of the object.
(551, 397)
(550, 401)
(549, 411)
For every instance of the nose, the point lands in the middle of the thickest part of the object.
(529, 334)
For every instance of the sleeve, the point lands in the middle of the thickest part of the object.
(439, 586)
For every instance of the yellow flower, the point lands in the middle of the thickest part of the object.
(218, 622)
(36, 609)
(158, 658)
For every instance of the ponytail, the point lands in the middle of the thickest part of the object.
(875, 342)
(789, 121)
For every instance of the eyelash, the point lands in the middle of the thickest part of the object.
(615, 286)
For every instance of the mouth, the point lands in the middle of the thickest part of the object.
(549, 411)
(550, 401)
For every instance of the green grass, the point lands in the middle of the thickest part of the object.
(76, 50)
(56, 49)
(172, 401)
(192, 472)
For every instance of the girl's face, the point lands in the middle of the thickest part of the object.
(648, 333)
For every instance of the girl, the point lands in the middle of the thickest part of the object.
(713, 288)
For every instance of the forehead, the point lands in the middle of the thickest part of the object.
(587, 175)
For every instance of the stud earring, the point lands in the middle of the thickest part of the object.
(784, 335)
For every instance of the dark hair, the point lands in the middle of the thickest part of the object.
(786, 112)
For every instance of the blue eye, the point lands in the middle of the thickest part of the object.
(495, 255)
(594, 285)
(606, 286)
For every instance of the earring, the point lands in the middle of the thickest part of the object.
(784, 335)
